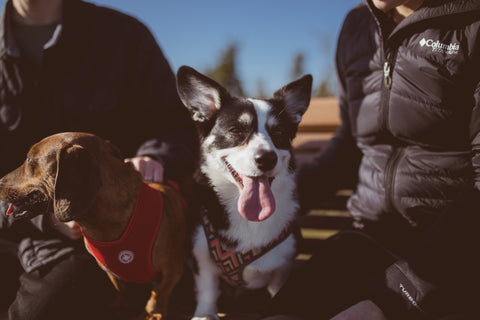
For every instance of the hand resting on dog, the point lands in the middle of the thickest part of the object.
(69, 229)
(151, 169)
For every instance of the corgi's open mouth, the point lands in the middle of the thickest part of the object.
(256, 201)
(238, 178)
(234, 173)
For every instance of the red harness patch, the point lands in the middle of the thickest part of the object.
(129, 258)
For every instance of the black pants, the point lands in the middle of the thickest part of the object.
(333, 279)
(73, 288)
(337, 277)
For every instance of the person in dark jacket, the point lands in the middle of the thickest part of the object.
(409, 145)
(74, 66)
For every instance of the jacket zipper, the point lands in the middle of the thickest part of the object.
(397, 151)
(390, 169)
(387, 86)
(387, 77)
(392, 163)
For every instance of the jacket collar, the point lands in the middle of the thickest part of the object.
(431, 9)
(7, 42)
(68, 31)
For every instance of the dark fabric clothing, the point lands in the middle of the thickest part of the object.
(31, 40)
(409, 142)
(34, 242)
(102, 72)
(61, 290)
(440, 276)
(332, 280)
(9, 278)
(339, 275)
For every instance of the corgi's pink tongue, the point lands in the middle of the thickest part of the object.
(256, 202)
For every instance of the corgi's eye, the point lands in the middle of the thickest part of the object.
(280, 137)
(276, 132)
(235, 130)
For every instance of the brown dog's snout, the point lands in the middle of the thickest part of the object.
(59, 176)
(7, 190)
(2, 186)
(22, 201)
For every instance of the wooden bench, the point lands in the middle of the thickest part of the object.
(317, 127)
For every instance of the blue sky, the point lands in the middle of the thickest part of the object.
(268, 33)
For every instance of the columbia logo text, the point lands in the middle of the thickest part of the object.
(437, 46)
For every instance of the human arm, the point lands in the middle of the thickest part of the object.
(70, 229)
(172, 138)
(150, 169)
(335, 166)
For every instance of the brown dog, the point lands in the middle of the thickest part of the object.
(82, 177)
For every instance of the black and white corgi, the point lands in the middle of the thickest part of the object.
(245, 185)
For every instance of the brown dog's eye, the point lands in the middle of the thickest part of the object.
(30, 161)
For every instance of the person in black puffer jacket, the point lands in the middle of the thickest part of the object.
(409, 145)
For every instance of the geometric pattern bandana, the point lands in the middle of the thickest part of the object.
(230, 262)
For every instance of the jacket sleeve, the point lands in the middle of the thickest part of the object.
(170, 131)
(442, 275)
(335, 166)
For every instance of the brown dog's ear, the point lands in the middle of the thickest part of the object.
(76, 184)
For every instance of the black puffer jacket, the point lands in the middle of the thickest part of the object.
(410, 137)
(410, 109)
(411, 114)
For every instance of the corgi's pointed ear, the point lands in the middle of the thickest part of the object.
(296, 96)
(201, 95)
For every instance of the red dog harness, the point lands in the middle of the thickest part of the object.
(129, 258)
(232, 262)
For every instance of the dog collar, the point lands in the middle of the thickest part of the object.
(129, 258)
(231, 262)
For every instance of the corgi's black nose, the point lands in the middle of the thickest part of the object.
(266, 160)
